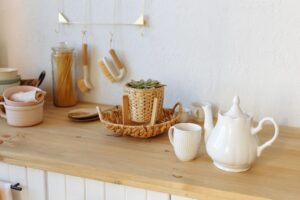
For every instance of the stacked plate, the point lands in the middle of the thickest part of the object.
(8, 77)
(83, 115)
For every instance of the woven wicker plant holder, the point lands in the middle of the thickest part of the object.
(112, 119)
(141, 103)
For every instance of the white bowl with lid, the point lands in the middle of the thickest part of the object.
(8, 74)
(23, 116)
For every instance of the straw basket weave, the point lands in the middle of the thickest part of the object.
(112, 119)
(141, 102)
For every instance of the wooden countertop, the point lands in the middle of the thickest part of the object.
(88, 150)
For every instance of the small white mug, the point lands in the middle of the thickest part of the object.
(185, 139)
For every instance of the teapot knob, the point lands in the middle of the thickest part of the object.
(236, 100)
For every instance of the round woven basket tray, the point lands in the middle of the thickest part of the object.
(112, 119)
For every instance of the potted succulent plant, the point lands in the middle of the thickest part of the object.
(141, 96)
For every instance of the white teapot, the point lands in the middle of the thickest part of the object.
(232, 143)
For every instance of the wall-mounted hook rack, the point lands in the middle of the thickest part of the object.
(140, 21)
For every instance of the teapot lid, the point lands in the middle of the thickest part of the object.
(235, 110)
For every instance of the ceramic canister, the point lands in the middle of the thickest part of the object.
(23, 116)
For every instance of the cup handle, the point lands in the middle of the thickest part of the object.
(2, 114)
(259, 128)
(170, 133)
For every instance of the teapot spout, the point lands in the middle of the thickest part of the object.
(208, 121)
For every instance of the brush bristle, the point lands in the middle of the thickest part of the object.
(105, 71)
(82, 87)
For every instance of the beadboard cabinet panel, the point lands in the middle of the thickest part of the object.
(75, 188)
(114, 191)
(152, 195)
(41, 185)
(56, 186)
(36, 181)
(132, 193)
(174, 197)
(94, 190)
(18, 174)
(4, 176)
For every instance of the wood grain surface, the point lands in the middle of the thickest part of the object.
(89, 150)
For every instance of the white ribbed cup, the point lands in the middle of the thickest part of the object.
(185, 138)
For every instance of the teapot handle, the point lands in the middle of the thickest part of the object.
(259, 128)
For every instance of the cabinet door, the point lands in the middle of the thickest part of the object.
(94, 190)
(114, 191)
(18, 174)
(174, 197)
(152, 195)
(74, 188)
(56, 186)
(132, 193)
(4, 176)
(36, 181)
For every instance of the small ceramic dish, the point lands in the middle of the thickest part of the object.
(4, 84)
(83, 115)
(10, 81)
(23, 116)
(12, 90)
(8, 73)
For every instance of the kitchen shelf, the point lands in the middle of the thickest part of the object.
(89, 150)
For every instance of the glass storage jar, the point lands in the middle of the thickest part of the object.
(63, 74)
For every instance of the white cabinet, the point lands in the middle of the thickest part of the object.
(36, 184)
(94, 190)
(41, 185)
(56, 186)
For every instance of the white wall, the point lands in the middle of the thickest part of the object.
(3, 48)
(202, 49)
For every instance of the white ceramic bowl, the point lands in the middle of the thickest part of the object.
(8, 73)
(22, 88)
(23, 116)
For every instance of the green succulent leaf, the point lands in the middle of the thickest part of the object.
(142, 84)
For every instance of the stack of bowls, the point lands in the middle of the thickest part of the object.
(8, 77)
(22, 114)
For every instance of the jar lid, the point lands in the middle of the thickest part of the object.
(63, 47)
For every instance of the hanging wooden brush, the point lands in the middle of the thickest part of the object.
(113, 71)
(84, 84)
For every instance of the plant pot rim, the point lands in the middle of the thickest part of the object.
(144, 88)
